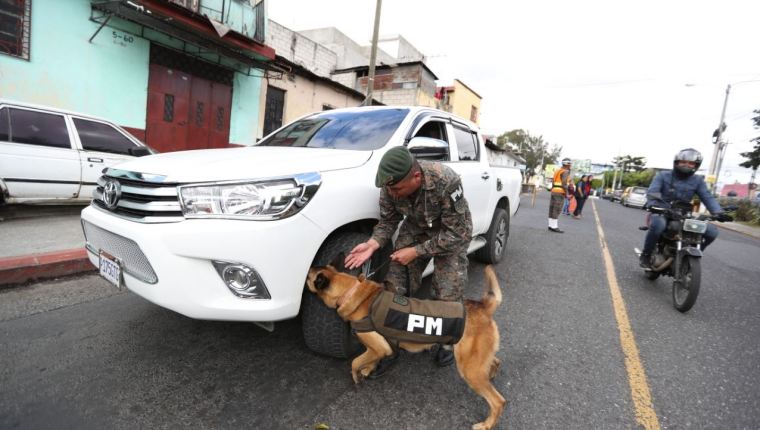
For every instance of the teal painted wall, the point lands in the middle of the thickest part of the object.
(108, 77)
(244, 122)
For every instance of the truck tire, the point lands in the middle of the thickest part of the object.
(496, 238)
(323, 330)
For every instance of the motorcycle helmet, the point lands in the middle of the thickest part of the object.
(688, 154)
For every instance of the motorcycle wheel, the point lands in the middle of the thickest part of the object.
(686, 285)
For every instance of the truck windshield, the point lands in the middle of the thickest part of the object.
(357, 130)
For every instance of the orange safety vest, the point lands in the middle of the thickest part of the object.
(557, 182)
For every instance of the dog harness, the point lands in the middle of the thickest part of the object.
(414, 320)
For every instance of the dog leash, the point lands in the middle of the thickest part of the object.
(377, 269)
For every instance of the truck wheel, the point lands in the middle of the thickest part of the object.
(323, 330)
(496, 238)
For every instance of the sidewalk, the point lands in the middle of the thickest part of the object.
(740, 228)
(40, 243)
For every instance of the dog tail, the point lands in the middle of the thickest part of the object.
(492, 297)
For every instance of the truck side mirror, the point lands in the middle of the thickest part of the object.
(427, 148)
(139, 151)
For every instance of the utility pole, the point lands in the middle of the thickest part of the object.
(718, 144)
(720, 162)
(373, 56)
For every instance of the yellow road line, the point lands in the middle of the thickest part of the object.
(637, 378)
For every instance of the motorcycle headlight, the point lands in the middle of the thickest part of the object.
(251, 200)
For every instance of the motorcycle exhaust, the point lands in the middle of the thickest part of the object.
(664, 265)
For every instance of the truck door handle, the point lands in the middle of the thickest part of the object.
(94, 160)
(485, 175)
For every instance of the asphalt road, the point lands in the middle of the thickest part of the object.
(76, 353)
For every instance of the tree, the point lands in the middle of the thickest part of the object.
(630, 163)
(533, 149)
(513, 140)
(753, 157)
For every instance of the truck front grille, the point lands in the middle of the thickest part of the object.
(133, 261)
(138, 200)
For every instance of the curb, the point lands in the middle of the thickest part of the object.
(17, 270)
(752, 234)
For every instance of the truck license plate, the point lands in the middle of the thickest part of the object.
(110, 269)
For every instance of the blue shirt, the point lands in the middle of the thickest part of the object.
(674, 188)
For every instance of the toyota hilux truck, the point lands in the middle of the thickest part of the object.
(229, 234)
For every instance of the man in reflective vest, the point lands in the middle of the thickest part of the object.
(558, 192)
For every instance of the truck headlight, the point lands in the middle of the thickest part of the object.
(268, 199)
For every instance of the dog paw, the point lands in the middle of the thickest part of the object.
(480, 426)
(366, 371)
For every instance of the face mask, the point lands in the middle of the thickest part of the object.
(685, 170)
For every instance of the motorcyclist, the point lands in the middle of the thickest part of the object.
(680, 184)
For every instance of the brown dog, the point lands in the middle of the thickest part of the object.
(475, 353)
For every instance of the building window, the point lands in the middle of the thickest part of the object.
(474, 114)
(15, 26)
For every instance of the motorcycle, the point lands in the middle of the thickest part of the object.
(678, 253)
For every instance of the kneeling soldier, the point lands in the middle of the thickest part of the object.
(428, 200)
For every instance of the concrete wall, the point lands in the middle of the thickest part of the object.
(301, 50)
(400, 48)
(403, 85)
(108, 77)
(347, 79)
(349, 53)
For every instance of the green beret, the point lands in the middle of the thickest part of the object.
(394, 166)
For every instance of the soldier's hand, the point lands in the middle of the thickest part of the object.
(361, 253)
(404, 256)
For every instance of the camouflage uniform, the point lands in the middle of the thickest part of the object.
(437, 222)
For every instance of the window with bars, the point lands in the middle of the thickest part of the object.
(15, 27)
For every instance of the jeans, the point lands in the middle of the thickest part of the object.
(566, 206)
(579, 206)
(657, 225)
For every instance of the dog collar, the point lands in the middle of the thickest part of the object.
(347, 295)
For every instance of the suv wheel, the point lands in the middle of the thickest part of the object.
(496, 238)
(323, 330)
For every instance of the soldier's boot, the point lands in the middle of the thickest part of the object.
(444, 356)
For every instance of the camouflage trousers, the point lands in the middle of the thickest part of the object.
(555, 205)
(449, 275)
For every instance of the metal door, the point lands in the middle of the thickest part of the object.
(221, 103)
(168, 109)
(273, 110)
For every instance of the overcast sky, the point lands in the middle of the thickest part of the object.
(599, 78)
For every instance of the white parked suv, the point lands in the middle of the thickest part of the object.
(229, 234)
(50, 155)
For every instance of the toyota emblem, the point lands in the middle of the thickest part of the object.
(111, 193)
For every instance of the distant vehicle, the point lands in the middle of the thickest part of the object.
(634, 196)
(49, 155)
(613, 196)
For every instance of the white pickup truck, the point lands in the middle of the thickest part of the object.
(229, 234)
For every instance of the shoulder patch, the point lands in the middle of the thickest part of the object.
(457, 194)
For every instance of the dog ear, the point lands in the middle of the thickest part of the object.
(338, 262)
(321, 281)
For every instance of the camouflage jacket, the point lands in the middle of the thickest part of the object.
(436, 218)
